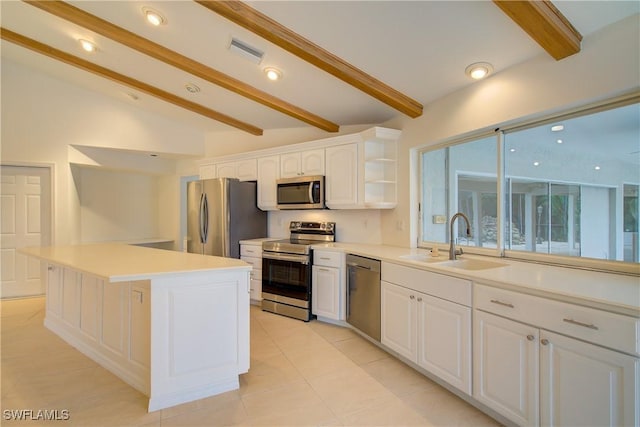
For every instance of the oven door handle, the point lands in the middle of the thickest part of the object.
(285, 257)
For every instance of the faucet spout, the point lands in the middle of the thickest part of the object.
(452, 248)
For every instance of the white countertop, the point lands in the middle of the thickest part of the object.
(607, 291)
(119, 262)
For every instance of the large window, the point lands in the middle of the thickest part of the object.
(569, 188)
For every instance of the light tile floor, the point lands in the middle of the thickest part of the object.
(311, 374)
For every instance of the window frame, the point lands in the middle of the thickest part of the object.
(624, 267)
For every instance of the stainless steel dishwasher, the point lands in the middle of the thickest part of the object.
(363, 296)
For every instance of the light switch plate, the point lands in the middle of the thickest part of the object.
(439, 219)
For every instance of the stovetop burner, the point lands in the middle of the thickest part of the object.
(303, 235)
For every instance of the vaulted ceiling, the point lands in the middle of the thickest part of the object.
(342, 63)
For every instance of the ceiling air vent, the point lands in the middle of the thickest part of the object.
(246, 51)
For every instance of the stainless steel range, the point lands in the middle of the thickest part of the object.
(286, 269)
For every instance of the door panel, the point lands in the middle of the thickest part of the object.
(25, 221)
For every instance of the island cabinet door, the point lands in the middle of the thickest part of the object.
(584, 384)
(90, 307)
(54, 290)
(140, 338)
(71, 280)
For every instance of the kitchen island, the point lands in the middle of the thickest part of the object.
(173, 325)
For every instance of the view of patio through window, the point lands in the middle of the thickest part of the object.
(570, 188)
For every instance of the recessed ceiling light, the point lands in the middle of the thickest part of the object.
(478, 70)
(273, 73)
(192, 88)
(153, 155)
(559, 141)
(536, 163)
(513, 150)
(87, 46)
(153, 17)
(597, 168)
(557, 128)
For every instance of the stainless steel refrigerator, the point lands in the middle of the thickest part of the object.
(221, 212)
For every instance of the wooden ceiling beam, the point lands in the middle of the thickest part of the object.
(545, 24)
(59, 55)
(79, 17)
(260, 24)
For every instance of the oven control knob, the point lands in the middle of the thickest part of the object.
(323, 226)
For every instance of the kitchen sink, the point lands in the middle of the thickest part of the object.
(422, 258)
(471, 264)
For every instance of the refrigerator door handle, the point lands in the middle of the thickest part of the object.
(200, 219)
(206, 219)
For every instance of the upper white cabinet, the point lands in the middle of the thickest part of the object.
(363, 174)
(244, 170)
(360, 169)
(303, 163)
(268, 174)
(341, 180)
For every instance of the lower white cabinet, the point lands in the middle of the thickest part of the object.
(251, 253)
(430, 331)
(505, 368)
(584, 384)
(328, 285)
(533, 376)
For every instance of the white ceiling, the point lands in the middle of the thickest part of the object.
(420, 48)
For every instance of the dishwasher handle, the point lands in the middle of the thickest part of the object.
(353, 264)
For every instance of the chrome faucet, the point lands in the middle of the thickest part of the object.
(452, 248)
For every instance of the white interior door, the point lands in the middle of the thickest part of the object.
(25, 220)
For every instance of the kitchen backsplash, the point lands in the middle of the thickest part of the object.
(358, 226)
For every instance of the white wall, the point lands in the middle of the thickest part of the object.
(608, 65)
(42, 117)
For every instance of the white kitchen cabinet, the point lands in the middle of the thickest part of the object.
(207, 171)
(362, 175)
(54, 289)
(505, 367)
(399, 319)
(309, 162)
(243, 170)
(584, 384)
(71, 280)
(578, 382)
(424, 319)
(328, 300)
(341, 179)
(444, 340)
(380, 172)
(268, 174)
(251, 253)
(140, 338)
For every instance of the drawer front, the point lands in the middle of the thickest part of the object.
(328, 258)
(600, 327)
(250, 250)
(442, 286)
(256, 263)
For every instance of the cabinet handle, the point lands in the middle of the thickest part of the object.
(51, 268)
(412, 297)
(506, 304)
(586, 325)
(419, 299)
(531, 337)
(325, 258)
(544, 341)
(322, 269)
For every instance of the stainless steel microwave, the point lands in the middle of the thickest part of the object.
(301, 192)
